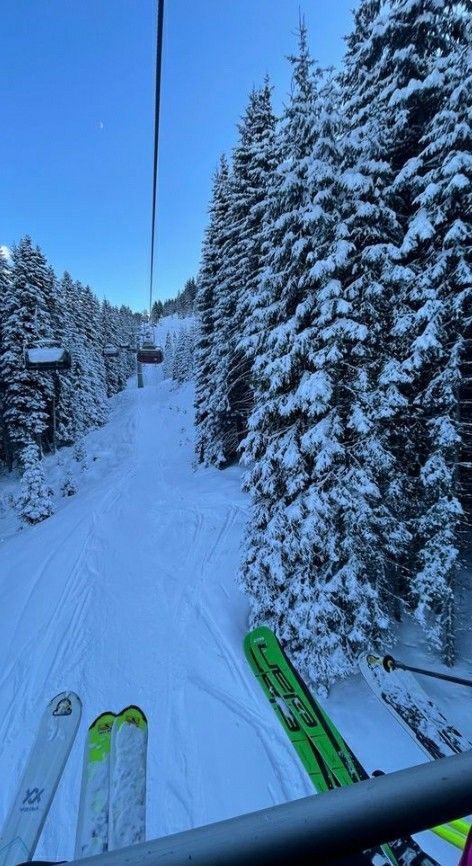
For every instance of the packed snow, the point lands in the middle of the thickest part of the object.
(127, 594)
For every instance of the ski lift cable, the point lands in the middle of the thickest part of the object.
(160, 27)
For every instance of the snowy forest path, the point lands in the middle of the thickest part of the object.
(128, 595)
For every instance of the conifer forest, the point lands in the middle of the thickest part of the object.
(334, 348)
(328, 334)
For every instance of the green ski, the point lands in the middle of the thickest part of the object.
(324, 753)
(92, 824)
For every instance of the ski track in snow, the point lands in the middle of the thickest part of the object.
(127, 595)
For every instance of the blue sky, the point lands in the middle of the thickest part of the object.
(76, 90)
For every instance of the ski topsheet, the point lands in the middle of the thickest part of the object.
(127, 824)
(413, 708)
(55, 736)
(324, 753)
(92, 823)
(112, 809)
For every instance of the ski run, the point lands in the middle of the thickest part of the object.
(127, 596)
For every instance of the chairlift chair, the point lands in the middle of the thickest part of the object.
(47, 357)
(110, 351)
(150, 354)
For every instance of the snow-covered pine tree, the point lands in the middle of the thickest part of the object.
(182, 358)
(6, 454)
(93, 376)
(264, 154)
(323, 473)
(253, 161)
(54, 304)
(178, 359)
(156, 312)
(168, 362)
(437, 185)
(193, 335)
(209, 350)
(375, 284)
(394, 58)
(115, 378)
(270, 569)
(312, 551)
(187, 298)
(25, 320)
(69, 406)
(127, 332)
(78, 404)
(34, 503)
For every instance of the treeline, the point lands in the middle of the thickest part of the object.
(42, 410)
(183, 305)
(334, 304)
(179, 355)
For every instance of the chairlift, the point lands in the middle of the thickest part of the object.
(150, 354)
(47, 357)
(110, 351)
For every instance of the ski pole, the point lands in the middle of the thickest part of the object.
(391, 664)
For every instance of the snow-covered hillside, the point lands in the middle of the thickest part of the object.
(127, 594)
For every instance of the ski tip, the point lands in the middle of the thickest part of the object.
(134, 715)
(258, 635)
(103, 719)
(64, 704)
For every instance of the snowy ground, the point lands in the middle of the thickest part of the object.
(127, 595)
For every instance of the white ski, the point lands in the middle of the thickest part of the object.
(413, 708)
(127, 823)
(43, 770)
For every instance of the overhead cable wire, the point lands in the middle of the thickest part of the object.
(160, 28)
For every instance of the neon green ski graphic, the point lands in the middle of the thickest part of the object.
(323, 751)
(92, 824)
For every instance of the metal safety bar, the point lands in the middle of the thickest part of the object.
(317, 830)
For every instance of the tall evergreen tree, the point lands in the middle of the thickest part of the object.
(156, 312)
(5, 288)
(182, 358)
(312, 544)
(206, 356)
(87, 318)
(436, 250)
(168, 356)
(111, 339)
(321, 468)
(25, 321)
(253, 162)
(82, 403)
(404, 54)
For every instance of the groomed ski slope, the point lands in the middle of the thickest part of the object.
(127, 595)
